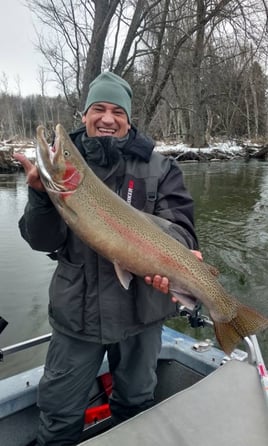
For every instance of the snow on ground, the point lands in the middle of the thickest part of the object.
(29, 152)
(228, 147)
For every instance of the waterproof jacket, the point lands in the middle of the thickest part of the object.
(86, 299)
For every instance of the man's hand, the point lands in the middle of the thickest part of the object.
(32, 174)
(198, 254)
(162, 283)
(158, 282)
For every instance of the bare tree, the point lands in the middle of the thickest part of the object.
(126, 60)
(64, 40)
(150, 39)
(163, 76)
(103, 14)
(197, 115)
(199, 88)
(7, 116)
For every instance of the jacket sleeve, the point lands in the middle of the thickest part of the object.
(41, 225)
(175, 204)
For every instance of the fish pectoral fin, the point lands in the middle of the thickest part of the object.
(123, 275)
(184, 298)
(67, 213)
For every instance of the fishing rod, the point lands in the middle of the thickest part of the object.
(23, 345)
(195, 318)
(254, 355)
(259, 361)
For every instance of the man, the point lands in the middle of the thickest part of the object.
(89, 311)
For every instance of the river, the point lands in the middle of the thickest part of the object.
(231, 200)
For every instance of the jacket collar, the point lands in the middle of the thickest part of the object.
(137, 145)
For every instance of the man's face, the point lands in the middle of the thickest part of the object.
(105, 119)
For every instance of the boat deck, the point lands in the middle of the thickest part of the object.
(198, 400)
(225, 408)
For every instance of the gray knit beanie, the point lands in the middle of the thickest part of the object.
(108, 87)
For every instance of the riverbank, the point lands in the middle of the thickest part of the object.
(7, 149)
(222, 151)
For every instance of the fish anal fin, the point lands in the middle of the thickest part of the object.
(184, 298)
(123, 275)
(227, 336)
(246, 322)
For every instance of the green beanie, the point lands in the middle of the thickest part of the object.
(108, 87)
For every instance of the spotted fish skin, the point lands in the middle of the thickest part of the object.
(132, 241)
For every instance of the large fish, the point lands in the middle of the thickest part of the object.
(133, 242)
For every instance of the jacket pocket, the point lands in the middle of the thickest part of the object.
(152, 305)
(66, 295)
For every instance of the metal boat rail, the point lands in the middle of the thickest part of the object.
(23, 345)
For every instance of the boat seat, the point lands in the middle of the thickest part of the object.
(227, 407)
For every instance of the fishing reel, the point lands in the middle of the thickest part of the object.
(194, 316)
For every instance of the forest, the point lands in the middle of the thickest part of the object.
(198, 68)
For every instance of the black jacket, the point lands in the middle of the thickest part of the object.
(86, 299)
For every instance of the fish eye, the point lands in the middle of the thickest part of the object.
(66, 153)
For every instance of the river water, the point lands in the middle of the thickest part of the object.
(231, 200)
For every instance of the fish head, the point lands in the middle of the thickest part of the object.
(62, 167)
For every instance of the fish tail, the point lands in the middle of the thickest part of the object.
(246, 322)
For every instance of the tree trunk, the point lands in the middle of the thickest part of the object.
(255, 102)
(104, 11)
(197, 113)
(132, 33)
(154, 99)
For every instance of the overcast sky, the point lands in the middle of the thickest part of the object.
(18, 56)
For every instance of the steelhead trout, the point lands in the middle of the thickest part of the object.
(133, 242)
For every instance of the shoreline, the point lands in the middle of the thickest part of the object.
(181, 153)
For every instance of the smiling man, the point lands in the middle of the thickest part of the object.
(90, 312)
(108, 107)
(103, 119)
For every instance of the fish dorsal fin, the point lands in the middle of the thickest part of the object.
(123, 275)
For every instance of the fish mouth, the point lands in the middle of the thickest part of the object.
(57, 174)
(44, 156)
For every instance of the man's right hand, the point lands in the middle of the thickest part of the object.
(32, 174)
(162, 283)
